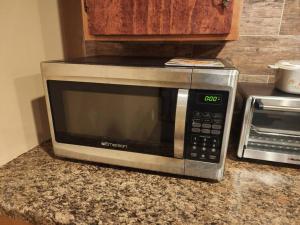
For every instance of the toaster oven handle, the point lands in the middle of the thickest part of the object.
(261, 106)
(181, 108)
(258, 104)
(272, 132)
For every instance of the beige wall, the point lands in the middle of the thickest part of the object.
(29, 33)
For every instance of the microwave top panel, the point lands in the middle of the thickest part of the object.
(145, 71)
(149, 62)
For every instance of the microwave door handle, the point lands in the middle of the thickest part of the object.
(181, 108)
(261, 106)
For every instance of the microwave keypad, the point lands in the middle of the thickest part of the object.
(204, 126)
(205, 137)
(204, 148)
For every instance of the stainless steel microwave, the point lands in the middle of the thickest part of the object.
(137, 112)
(271, 127)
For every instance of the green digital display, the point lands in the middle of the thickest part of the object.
(209, 99)
(212, 98)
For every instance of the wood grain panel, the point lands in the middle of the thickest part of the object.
(261, 17)
(291, 18)
(254, 78)
(134, 49)
(253, 54)
(158, 17)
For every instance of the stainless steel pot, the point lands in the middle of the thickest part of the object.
(287, 76)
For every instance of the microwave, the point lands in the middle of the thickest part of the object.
(140, 113)
(271, 127)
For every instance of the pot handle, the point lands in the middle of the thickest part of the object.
(275, 67)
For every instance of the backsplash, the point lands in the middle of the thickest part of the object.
(269, 31)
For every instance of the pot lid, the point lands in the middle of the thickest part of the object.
(288, 64)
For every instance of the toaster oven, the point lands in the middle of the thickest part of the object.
(271, 125)
(139, 113)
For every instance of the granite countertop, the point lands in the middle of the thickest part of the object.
(42, 189)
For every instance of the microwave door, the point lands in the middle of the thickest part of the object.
(118, 117)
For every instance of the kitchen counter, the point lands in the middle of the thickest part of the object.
(42, 189)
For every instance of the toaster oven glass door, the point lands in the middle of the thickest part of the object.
(121, 117)
(275, 131)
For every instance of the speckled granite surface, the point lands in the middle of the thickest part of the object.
(42, 189)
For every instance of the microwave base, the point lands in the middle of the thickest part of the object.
(170, 165)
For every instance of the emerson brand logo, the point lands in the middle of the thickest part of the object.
(113, 145)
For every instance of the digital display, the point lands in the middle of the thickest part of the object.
(209, 99)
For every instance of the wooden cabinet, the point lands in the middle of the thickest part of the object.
(160, 20)
(9, 221)
(85, 21)
(158, 17)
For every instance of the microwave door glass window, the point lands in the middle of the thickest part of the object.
(129, 118)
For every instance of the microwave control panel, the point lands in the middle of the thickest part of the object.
(205, 122)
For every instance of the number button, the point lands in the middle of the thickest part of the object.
(202, 156)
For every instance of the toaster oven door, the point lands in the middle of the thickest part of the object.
(274, 133)
(118, 117)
